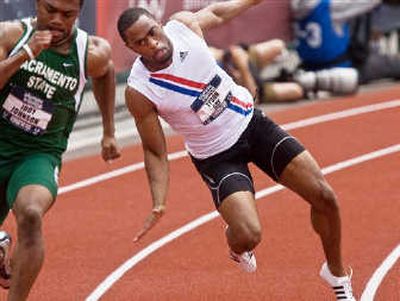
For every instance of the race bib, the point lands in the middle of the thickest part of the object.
(27, 112)
(212, 101)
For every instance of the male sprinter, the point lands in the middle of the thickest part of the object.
(44, 65)
(177, 78)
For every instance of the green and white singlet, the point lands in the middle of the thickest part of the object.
(39, 104)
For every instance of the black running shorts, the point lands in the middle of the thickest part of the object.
(264, 143)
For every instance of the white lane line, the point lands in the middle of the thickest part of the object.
(113, 174)
(342, 114)
(380, 273)
(134, 260)
(288, 126)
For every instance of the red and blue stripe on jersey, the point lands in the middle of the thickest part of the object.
(192, 88)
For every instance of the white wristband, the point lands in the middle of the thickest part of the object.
(28, 51)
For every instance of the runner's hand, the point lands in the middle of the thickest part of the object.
(109, 149)
(150, 222)
(40, 41)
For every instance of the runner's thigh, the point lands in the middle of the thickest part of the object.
(303, 176)
(272, 148)
(38, 169)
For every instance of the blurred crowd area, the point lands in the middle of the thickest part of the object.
(282, 51)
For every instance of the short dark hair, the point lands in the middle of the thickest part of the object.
(129, 17)
(81, 3)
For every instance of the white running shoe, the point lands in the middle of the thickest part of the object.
(340, 285)
(247, 260)
(5, 246)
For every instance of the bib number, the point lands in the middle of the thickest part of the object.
(27, 112)
(212, 101)
(312, 34)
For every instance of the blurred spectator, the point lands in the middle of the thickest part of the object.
(386, 17)
(246, 63)
(331, 33)
(385, 23)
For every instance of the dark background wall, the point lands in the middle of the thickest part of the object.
(13, 9)
(268, 20)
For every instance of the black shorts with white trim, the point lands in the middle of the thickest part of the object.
(263, 143)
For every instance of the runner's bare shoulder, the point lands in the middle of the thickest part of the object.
(10, 33)
(189, 19)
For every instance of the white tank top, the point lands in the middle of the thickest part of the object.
(195, 96)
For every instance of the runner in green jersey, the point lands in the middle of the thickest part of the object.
(44, 64)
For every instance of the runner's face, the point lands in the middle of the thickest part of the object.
(146, 38)
(59, 17)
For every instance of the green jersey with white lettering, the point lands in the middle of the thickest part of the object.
(39, 104)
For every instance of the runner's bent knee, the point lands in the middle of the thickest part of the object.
(325, 198)
(31, 203)
(29, 222)
(30, 218)
(246, 233)
(240, 213)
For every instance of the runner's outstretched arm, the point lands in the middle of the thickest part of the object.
(155, 154)
(101, 68)
(214, 15)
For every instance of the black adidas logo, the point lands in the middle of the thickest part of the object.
(183, 55)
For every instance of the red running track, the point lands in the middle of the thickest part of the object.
(89, 231)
